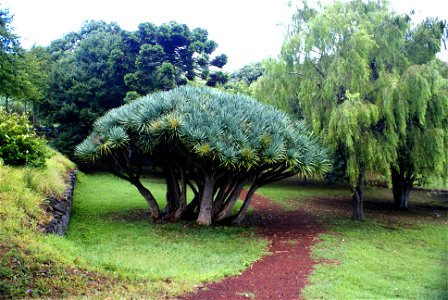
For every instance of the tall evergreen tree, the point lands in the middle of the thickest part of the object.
(161, 57)
(83, 84)
(101, 66)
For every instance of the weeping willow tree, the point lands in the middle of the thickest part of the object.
(352, 127)
(212, 142)
(420, 109)
(357, 78)
(279, 86)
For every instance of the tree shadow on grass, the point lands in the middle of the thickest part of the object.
(142, 215)
(135, 215)
(433, 208)
(378, 205)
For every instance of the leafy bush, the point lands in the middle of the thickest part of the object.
(19, 144)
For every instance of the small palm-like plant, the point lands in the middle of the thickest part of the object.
(213, 142)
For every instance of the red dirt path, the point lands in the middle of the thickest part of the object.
(280, 275)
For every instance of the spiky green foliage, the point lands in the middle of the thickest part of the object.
(212, 141)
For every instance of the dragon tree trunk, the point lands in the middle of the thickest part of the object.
(206, 202)
(154, 211)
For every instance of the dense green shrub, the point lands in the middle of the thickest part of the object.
(19, 144)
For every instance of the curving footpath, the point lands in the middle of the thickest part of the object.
(283, 273)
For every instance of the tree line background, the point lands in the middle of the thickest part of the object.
(79, 77)
(366, 80)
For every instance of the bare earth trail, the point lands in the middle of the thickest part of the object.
(280, 275)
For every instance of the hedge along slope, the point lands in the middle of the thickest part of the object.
(213, 142)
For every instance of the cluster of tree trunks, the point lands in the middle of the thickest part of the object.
(212, 192)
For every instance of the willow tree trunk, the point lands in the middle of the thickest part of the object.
(401, 188)
(34, 115)
(358, 198)
(206, 206)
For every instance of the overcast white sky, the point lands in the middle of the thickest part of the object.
(246, 30)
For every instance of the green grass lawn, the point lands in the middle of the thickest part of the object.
(391, 255)
(110, 233)
(372, 261)
(291, 192)
(112, 250)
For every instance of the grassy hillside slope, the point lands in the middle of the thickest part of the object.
(111, 249)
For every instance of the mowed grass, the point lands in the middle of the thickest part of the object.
(29, 265)
(368, 260)
(112, 250)
(392, 254)
(110, 233)
(292, 192)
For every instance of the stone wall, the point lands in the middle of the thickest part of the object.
(59, 208)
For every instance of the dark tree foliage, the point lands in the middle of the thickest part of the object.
(219, 61)
(9, 51)
(217, 78)
(83, 83)
(101, 67)
(162, 57)
(249, 73)
(212, 142)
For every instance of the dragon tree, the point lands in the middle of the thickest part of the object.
(208, 144)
